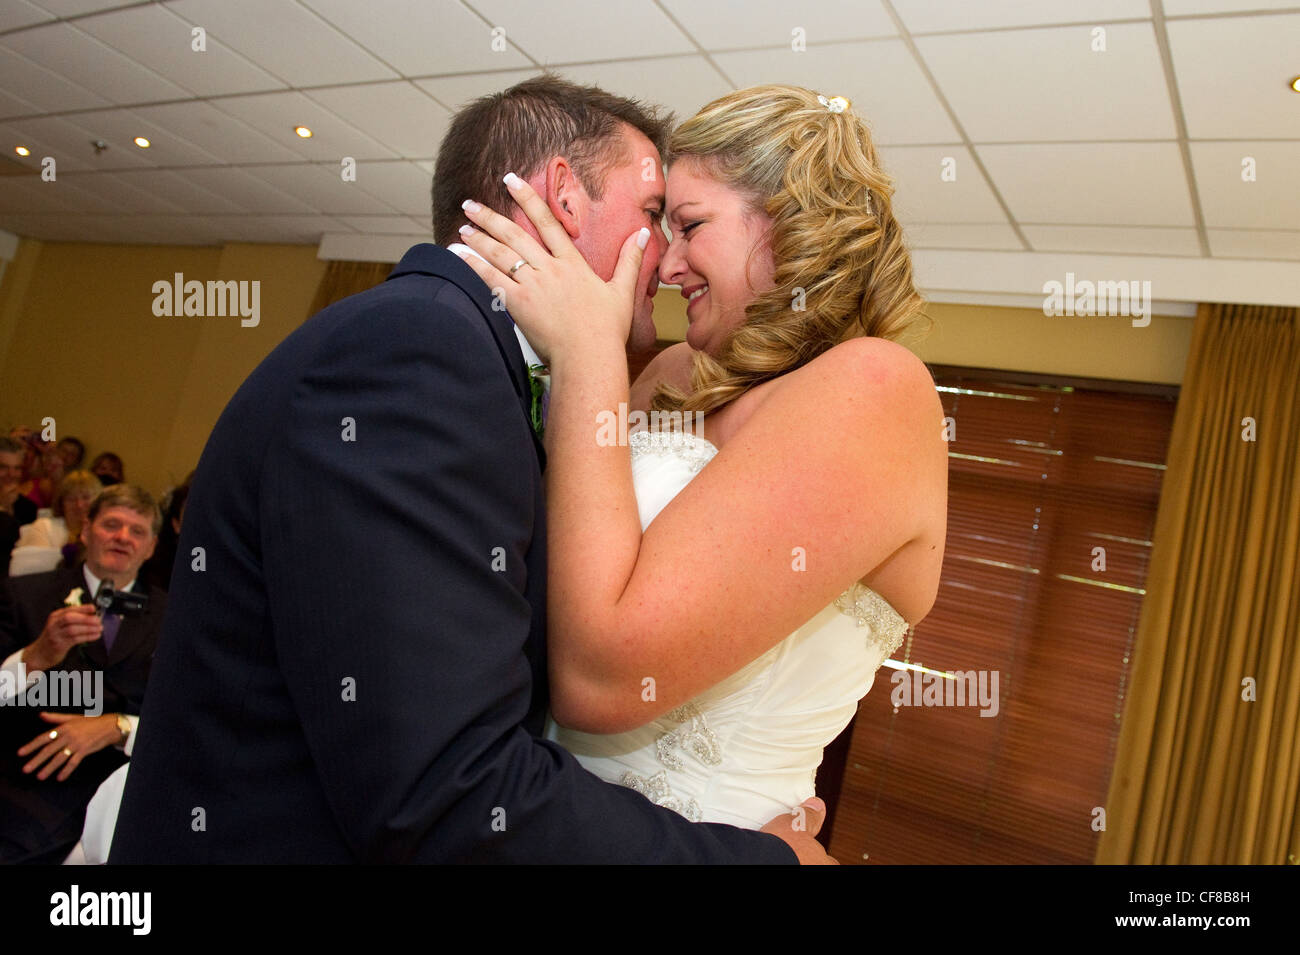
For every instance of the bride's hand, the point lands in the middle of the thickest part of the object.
(551, 291)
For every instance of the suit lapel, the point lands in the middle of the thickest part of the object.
(429, 259)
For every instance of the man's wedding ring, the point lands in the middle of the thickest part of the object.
(517, 266)
(67, 752)
(54, 734)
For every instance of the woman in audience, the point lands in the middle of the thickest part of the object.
(108, 468)
(49, 541)
(43, 485)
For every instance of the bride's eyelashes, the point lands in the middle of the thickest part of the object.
(686, 229)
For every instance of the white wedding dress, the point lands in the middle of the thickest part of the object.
(748, 749)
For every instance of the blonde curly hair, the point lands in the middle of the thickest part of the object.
(842, 269)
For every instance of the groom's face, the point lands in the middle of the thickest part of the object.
(633, 197)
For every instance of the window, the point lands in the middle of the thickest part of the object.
(1053, 490)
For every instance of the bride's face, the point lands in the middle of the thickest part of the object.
(719, 253)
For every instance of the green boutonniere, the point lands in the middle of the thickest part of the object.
(538, 379)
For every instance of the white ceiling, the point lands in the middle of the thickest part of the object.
(1135, 151)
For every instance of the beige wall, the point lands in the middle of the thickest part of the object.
(79, 342)
(1024, 339)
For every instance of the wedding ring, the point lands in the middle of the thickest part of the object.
(517, 266)
(66, 751)
(54, 734)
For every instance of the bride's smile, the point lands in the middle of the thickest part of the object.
(719, 253)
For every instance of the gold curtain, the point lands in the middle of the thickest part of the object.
(1203, 774)
(342, 279)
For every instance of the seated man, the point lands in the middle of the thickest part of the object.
(71, 685)
(12, 502)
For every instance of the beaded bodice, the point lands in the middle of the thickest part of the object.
(748, 748)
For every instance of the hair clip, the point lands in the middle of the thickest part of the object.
(836, 104)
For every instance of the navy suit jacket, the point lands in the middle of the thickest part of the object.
(350, 677)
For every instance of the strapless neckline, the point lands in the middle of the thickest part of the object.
(864, 605)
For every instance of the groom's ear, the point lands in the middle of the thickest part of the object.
(565, 196)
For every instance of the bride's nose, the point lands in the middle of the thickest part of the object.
(673, 264)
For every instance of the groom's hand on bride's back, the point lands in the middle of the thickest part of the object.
(799, 830)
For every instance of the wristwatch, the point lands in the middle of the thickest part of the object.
(123, 727)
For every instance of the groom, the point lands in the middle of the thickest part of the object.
(353, 664)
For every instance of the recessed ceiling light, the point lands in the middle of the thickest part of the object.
(1295, 84)
(141, 142)
(303, 131)
(22, 150)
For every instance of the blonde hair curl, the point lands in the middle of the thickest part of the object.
(834, 237)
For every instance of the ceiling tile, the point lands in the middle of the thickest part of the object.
(1075, 93)
(89, 63)
(31, 194)
(178, 190)
(923, 16)
(1234, 75)
(588, 30)
(402, 185)
(74, 194)
(48, 90)
(1270, 201)
(248, 192)
(229, 139)
(158, 230)
(1091, 183)
(20, 13)
(11, 106)
(300, 230)
(1255, 244)
(74, 8)
(71, 144)
(435, 36)
(938, 235)
(879, 77)
(772, 23)
(65, 228)
(1175, 8)
(921, 194)
(286, 39)
(454, 92)
(276, 115)
(119, 127)
(681, 84)
(157, 38)
(410, 123)
(388, 225)
(1112, 241)
(113, 187)
(322, 189)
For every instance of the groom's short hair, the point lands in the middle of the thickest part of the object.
(520, 129)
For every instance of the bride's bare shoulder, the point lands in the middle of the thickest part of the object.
(858, 361)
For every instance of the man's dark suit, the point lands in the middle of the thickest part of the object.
(359, 674)
(42, 820)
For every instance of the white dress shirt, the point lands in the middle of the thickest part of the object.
(19, 676)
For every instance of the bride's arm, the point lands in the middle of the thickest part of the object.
(833, 466)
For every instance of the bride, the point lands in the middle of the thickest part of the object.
(719, 603)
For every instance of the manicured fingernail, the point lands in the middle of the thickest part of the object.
(512, 181)
(469, 205)
(643, 238)
(466, 230)
(812, 802)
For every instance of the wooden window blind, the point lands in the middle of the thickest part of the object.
(1042, 474)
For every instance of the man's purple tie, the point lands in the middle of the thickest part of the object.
(111, 622)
